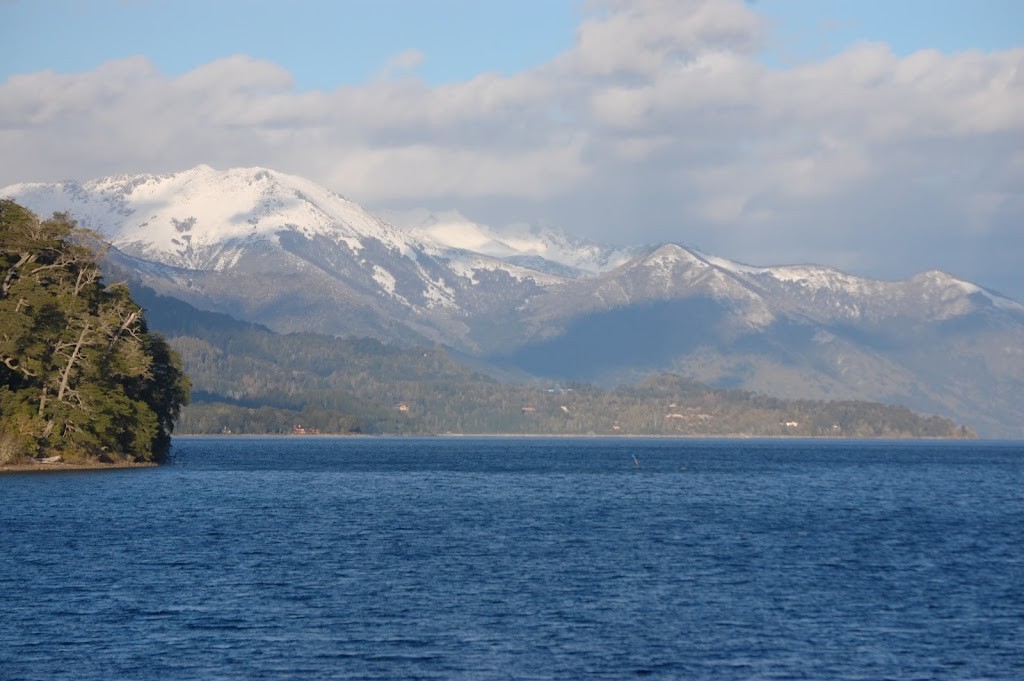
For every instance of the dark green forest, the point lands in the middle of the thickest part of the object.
(248, 379)
(81, 376)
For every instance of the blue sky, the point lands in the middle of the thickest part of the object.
(882, 138)
(324, 43)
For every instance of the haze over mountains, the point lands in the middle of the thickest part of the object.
(282, 251)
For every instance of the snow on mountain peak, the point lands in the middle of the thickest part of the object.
(517, 243)
(807, 278)
(669, 255)
(451, 229)
(203, 218)
(195, 217)
(950, 288)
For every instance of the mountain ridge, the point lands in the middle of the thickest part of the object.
(280, 250)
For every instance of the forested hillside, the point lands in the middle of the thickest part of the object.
(250, 380)
(81, 376)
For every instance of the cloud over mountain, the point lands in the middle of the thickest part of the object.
(661, 122)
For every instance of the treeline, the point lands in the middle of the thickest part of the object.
(81, 376)
(250, 380)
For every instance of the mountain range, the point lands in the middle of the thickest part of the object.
(528, 302)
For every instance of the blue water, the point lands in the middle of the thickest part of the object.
(310, 558)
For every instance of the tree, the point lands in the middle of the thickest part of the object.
(80, 373)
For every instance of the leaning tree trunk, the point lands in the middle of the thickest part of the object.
(66, 374)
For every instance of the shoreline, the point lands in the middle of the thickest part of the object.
(61, 467)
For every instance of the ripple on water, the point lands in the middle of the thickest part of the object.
(464, 558)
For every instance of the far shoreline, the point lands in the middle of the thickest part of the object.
(591, 436)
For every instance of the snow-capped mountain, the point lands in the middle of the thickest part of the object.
(828, 294)
(201, 219)
(546, 249)
(282, 250)
(933, 342)
(285, 252)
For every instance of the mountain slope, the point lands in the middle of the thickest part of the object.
(279, 250)
(933, 342)
(249, 379)
(975, 376)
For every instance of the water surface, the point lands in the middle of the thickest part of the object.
(438, 558)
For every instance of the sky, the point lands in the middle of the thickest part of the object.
(882, 137)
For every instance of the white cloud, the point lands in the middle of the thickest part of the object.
(405, 61)
(643, 37)
(661, 116)
(383, 174)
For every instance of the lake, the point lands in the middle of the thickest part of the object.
(489, 558)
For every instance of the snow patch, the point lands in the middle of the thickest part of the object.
(384, 278)
(469, 266)
(438, 294)
(387, 282)
(954, 288)
(452, 230)
(669, 255)
(731, 265)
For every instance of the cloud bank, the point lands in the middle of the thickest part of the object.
(661, 123)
